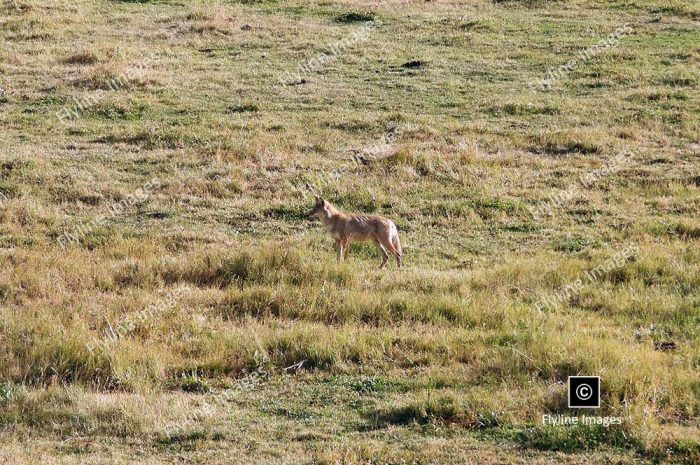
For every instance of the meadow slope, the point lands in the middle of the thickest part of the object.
(164, 299)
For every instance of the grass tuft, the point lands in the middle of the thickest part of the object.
(355, 17)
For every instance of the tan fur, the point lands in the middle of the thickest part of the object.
(349, 227)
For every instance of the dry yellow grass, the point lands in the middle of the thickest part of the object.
(154, 176)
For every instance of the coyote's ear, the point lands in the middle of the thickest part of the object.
(318, 199)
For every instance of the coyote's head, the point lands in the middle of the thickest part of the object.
(320, 208)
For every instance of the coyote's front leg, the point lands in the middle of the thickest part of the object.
(346, 248)
(339, 249)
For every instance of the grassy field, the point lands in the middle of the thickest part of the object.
(164, 299)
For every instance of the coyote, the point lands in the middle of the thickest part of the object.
(346, 227)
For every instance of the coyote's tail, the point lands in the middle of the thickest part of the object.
(397, 244)
(395, 240)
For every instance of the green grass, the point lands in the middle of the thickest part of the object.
(178, 301)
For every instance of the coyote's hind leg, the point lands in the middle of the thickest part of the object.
(382, 249)
(392, 245)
